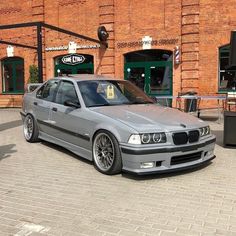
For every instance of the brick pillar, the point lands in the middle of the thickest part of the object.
(107, 56)
(38, 14)
(190, 45)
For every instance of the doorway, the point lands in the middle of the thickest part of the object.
(13, 75)
(150, 70)
(85, 67)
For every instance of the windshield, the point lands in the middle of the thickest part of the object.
(111, 93)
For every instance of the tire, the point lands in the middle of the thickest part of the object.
(106, 153)
(30, 129)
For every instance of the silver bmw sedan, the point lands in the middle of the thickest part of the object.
(116, 125)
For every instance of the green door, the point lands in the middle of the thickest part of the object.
(87, 67)
(153, 77)
(13, 75)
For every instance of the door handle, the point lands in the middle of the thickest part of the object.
(35, 103)
(54, 109)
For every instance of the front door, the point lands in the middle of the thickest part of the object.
(13, 75)
(154, 78)
(86, 67)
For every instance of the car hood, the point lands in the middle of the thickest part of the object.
(150, 117)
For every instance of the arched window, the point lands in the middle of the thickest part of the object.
(13, 75)
(227, 78)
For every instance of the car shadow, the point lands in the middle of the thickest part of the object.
(6, 151)
(164, 175)
(66, 151)
(10, 125)
(126, 174)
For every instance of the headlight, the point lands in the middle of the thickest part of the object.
(205, 131)
(147, 138)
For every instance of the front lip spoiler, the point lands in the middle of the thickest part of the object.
(165, 150)
(171, 170)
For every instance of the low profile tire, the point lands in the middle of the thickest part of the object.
(106, 153)
(30, 129)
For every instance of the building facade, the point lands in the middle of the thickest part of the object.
(166, 47)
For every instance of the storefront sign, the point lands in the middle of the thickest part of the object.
(64, 48)
(132, 44)
(73, 59)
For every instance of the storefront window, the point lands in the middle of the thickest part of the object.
(13, 75)
(150, 70)
(227, 78)
(86, 66)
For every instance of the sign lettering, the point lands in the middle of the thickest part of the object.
(73, 59)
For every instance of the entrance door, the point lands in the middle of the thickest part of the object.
(13, 75)
(154, 78)
(83, 68)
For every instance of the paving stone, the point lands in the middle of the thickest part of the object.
(46, 185)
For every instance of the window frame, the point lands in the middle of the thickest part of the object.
(58, 88)
(43, 88)
(224, 49)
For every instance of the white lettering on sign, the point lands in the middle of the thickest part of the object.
(73, 59)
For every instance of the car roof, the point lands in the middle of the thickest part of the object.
(82, 77)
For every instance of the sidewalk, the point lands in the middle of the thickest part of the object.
(46, 190)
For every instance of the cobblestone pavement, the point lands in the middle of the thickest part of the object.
(45, 190)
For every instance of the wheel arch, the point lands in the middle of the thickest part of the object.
(112, 131)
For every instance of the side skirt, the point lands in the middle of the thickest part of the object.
(87, 154)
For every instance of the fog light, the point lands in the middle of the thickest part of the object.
(145, 165)
(210, 153)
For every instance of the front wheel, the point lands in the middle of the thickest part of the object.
(30, 129)
(106, 153)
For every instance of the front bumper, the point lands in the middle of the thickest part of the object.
(167, 159)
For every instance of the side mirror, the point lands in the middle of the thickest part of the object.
(73, 104)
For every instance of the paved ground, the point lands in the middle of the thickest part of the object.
(45, 190)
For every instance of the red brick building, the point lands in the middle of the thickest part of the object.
(164, 46)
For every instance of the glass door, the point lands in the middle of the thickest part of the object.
(159, 78)
(136, 75)
(13, 75)
(154, 78)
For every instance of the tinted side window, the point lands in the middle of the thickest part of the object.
(48, 90)
(66, 91)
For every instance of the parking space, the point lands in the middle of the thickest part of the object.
(46, 190)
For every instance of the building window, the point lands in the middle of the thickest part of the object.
(227, 78)
(150, 70)
(13, 75)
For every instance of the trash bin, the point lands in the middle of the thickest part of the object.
(229, 128)
(190, 104)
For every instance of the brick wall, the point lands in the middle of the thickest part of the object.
(200, 27)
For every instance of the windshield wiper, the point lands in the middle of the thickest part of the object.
(142, 102)
(100, 105)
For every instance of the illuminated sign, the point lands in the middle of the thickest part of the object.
(73, 59)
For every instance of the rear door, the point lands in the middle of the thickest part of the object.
(42, 105)
(66, 120)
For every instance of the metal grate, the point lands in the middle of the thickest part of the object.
(180, 138)
(184, 137)
(193, 136)
(185, 158)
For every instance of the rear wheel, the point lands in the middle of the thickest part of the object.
(30, 129)
(106, 153)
